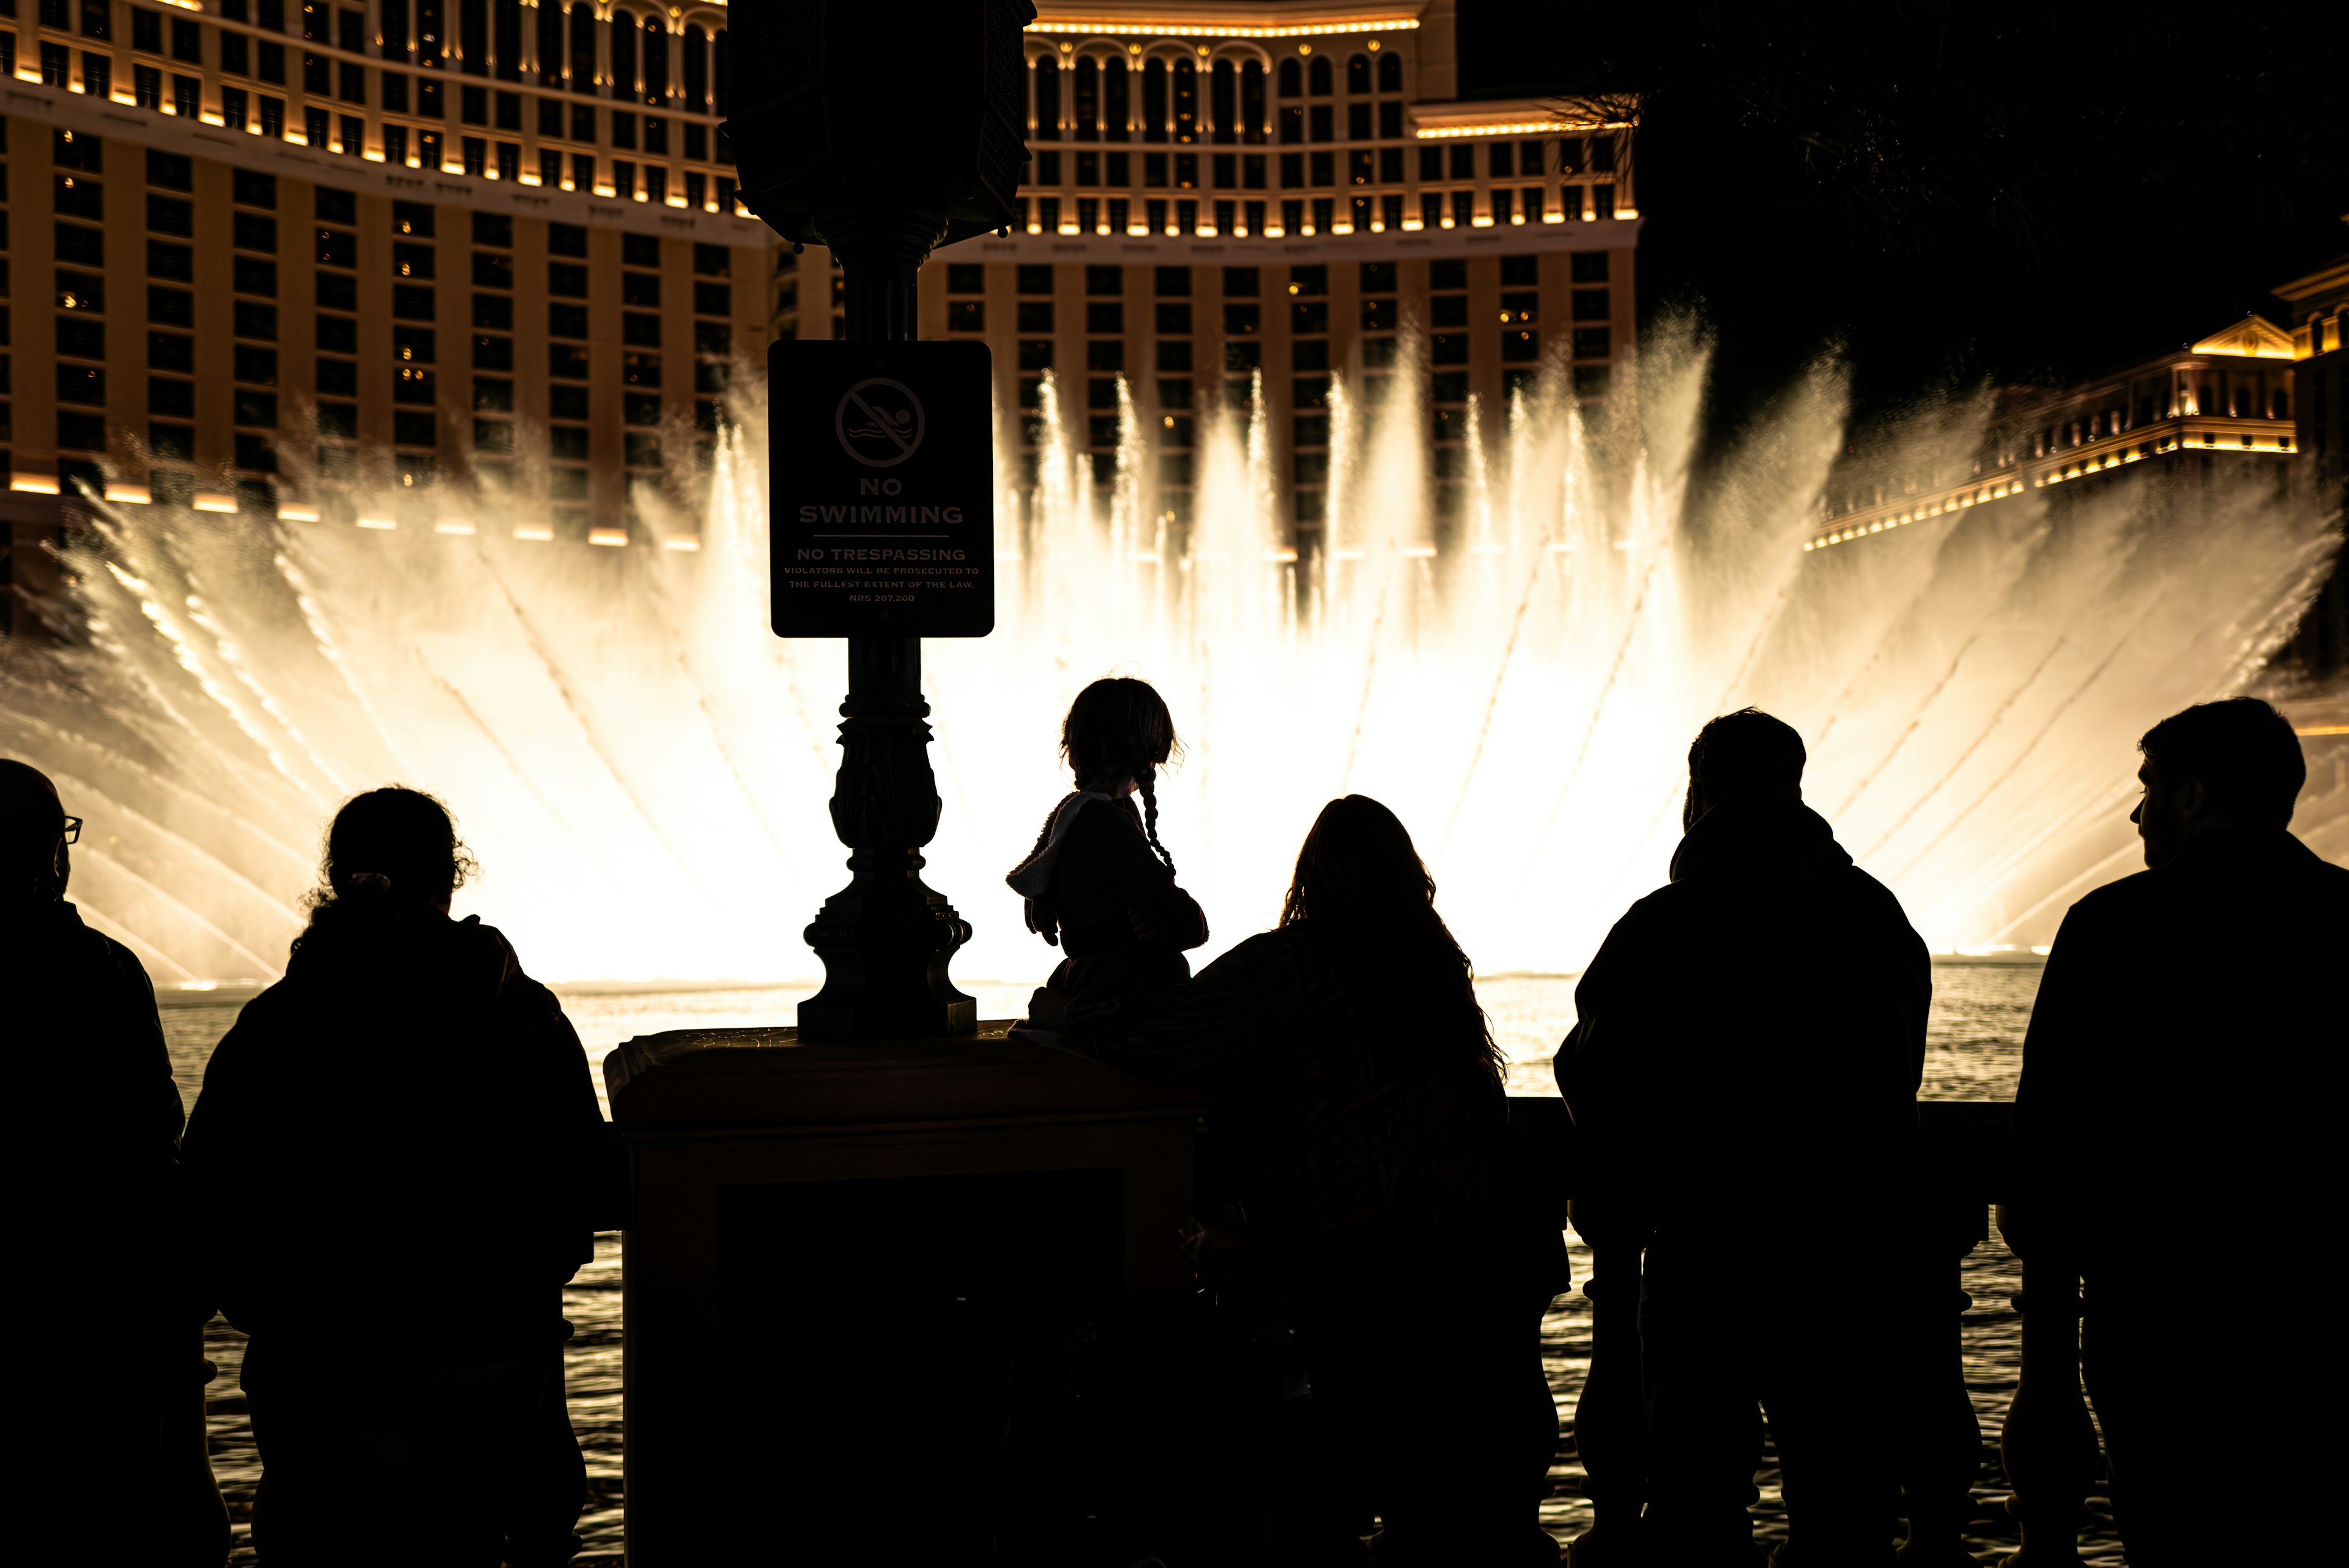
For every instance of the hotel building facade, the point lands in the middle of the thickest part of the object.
(1218, 192)
(453, 263)
(2225, 402)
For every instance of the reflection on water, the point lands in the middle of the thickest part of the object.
(1975, 1049)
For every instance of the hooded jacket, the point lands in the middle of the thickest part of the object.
(403, 1124)
(1751, 1033)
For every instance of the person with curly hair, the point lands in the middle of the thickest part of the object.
(461, 1204)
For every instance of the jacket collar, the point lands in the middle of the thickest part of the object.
(1759, 838)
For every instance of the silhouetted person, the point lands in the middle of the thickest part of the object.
(1357, 1096)
(1098, 883)
(109, 1363)
(1743, 1075)
(401, 1151)
(2178, 1118)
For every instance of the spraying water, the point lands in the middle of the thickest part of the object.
(641, 767)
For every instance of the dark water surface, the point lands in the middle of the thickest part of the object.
(1975, 1049)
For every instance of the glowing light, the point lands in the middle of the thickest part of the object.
(211, 117)
(386, 524)
(136, 494)
(1133, 27)
(602, 535)
(212, 501)
(687, 542)
(461, 526)
(291, 511)
(1417, 551)
(1516, 128)
(536, 533)
(1280, 557)
(2324, 730)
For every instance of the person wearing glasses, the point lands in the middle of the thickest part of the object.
(114, 1380)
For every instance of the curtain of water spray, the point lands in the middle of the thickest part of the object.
(642, 768)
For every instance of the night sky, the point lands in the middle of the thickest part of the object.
(2018, 192)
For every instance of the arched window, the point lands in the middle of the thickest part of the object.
(1320, 74)
(2243, 409)
(1292, 79)
(1153, 100)
(624, 55)
(1117, 100)
(505, 26)
(1048, 97)
(696, 70)
(1357, 73)
(1087, 100)
(550, 44)
(582, 47)
(1390, 73)
(1186, 100)
(721, 76)
(2279, 404)
(1252, 120)
(1223, 102)
(656, 60)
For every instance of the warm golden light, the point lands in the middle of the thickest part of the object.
(1127, 27)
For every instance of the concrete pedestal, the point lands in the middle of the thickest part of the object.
(837, 1252)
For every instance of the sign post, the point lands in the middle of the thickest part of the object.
(883, 484)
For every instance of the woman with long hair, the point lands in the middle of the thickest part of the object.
(1359, 1130)
(403, 1128)
(1099, 883)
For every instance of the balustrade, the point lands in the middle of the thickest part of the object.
(2048, 1445)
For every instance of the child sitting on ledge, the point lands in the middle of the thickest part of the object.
(1099, 885)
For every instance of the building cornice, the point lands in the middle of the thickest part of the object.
(1523, 117)
(1207, 19)
(1580, 234)
(2332, 277)
(99, 116)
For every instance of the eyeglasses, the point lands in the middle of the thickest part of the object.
(73, 830)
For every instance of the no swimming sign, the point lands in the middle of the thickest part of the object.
(882, 489)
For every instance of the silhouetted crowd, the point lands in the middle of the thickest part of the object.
(1743, 1075)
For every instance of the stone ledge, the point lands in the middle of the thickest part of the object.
(703, 1080)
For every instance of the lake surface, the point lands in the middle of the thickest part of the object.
(1974, 1053)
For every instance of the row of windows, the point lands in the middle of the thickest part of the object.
(1522, 270)
(1100, 100)
(1322, 215)
(635, 68)
(1247, 320)
(1248, 171)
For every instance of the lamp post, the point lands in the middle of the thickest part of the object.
(882, 140)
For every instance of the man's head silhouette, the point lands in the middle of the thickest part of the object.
(34, 860)
(1746, 755)
(2231, 763)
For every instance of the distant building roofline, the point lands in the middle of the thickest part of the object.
(1224, 18)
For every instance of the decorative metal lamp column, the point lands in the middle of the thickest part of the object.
(882, 135)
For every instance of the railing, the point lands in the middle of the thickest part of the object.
(2047, 1445)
